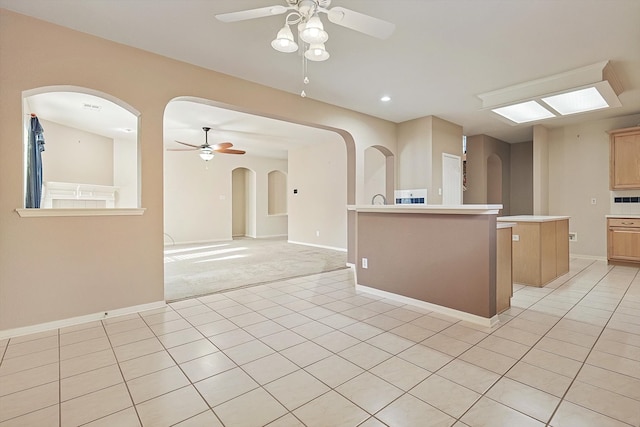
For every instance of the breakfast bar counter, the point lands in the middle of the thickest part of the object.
(442, 258)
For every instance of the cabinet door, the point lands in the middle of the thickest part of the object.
(624, 244)
(625, 161)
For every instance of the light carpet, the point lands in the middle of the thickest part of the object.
(194, 270)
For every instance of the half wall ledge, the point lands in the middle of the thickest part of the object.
(34, 212)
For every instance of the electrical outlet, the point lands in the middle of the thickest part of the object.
(515, 237)
(573, 236)
(593, 201)
(365, 263)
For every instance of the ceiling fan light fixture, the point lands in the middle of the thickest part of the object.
(313, 31)
(206, 154)
(316, 52)
(284, 41)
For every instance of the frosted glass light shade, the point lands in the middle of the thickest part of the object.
(206, 154)
(316, 52)
(313, 31)
(577, 101)
(284, 41)
(524, 112)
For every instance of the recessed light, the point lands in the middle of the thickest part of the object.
(385, 98)
(577, 101)
(524, 112)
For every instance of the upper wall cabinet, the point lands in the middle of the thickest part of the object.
(624, 159)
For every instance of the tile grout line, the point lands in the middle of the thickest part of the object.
(575, 378)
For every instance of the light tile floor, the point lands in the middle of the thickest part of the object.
(314, 352)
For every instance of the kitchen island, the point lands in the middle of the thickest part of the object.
(442, 258)
(540, 248)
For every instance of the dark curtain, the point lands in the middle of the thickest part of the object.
(34, 164)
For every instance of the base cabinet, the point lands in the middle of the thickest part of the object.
(623, 239)
(540, 248)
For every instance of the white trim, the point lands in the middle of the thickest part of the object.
(57, 324)
(467, 317)
(317, 246)
(197, 242)
(590, 257)
(35, 212)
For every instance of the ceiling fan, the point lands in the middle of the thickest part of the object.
(207, 150)
(305, 13)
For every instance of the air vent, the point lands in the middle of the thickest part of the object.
(92, 107)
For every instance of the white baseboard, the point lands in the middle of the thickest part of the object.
(197, 242)
(57, 324)
(468, 317)
(591, 257)
(317, 246)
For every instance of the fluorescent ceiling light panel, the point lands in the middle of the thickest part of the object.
(524, 112)
(577, 101)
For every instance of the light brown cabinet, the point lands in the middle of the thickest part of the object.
(624, 159)
(540, 248)
(623, 240)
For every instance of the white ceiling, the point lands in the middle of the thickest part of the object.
(441, 56)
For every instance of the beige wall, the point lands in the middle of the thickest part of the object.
(73, 155)
(318, 212)
(375, 178)
(521, 176)
(540, 170)
(202, 202)
(125, 173)
(579, 171)
(421, 143)
(414, 155)
(95, 264)
(480, 148)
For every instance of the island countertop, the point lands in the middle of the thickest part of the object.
(532, 218)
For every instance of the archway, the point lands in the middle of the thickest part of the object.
(90, 160)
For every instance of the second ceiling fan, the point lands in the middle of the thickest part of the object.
(207, 150)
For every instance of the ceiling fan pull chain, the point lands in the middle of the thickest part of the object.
(305, 79)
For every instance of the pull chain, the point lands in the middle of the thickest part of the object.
(305, 79)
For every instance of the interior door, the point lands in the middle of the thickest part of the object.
(451, 179)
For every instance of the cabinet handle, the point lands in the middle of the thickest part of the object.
(627, 223)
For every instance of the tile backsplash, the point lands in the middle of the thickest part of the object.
(625, 202)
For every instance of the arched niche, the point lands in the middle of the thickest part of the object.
(379, 175)
(277, 193)
(91, 158)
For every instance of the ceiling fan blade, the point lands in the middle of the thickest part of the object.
(230, 151)
(190, 145)
(180, 149)
(221, 146)
(366, 24)
(251, 13)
